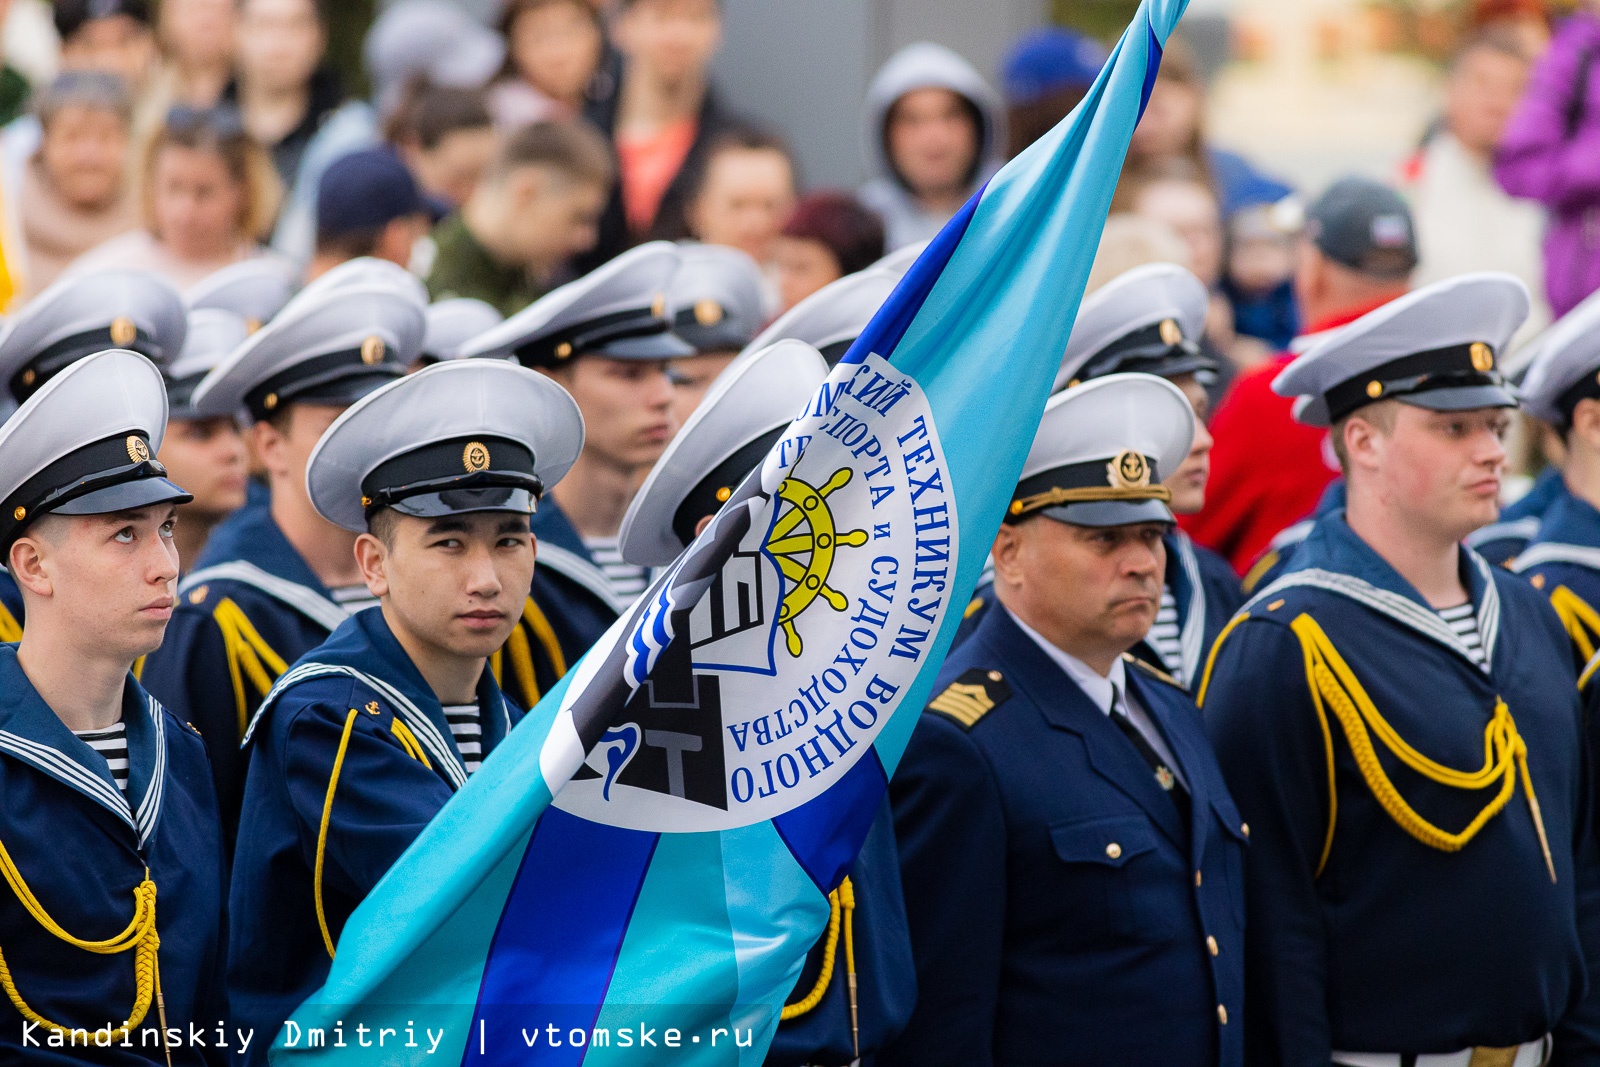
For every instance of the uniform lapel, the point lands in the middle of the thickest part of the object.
(1157, 700)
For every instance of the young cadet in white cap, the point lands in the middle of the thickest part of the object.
(1148, 321)
(451, 324)
(276, 579)
(370, 733)
(1068, 848)
(604, 338)
(1562, 559)
(1398, 722)
(253, 289)
(715, 305)
(831, 318)
(847, 1004)
(110, 823)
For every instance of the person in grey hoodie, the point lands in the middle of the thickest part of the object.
(933, 131)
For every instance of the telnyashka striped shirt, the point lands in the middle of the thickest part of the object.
(627, 580)
(112, 744)
(1166, 636)
(466, 726)
(1463, 619)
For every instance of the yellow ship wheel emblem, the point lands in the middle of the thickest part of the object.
(803, 541)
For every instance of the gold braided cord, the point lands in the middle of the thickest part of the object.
(1581, 621)
(248, 655)
(139, 935)
(322, 831)
(841, 903)
(10, 629)
(1089, 494)
(1588, 671)
(1505, 755)
(1211, 658)
(534, 617)
(1258, 570)
(847, 903)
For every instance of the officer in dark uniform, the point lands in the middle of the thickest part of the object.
(1146, 321)
(1562, 559)
(110, 822)
(369, 734)
(1071, 859)
(275, 580)
(715, 301)
(72, 319)
(1398, 722)
(858, 985)
(605, 339)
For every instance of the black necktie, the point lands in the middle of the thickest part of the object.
(1168, 781)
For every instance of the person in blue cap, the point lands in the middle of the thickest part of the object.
(1069, 851)
(276, 579)
(368, 204)
(1398, 722)
(606, 339)
(374, 730)
(1045, 74)
(858, 985)
(113, 920)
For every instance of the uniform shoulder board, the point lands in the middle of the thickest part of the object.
(193, 729)
(1154, 672)
(971, 696)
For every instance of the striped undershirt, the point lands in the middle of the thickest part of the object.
(1166, 636)
(112, 744)
(353, 598)
(627, 580)
(466, 726)
(1463, 619)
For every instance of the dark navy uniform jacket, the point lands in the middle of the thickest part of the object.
(1204, 586)
(1281, 549)
(567, 586)
(1562, 561)
(1500, 542)
(1363, 938)
(252, 604)
(82, 850)
(400, 767)
(886, 978)
(1060, 911)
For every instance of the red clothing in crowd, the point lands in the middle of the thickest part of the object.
(1267, 471)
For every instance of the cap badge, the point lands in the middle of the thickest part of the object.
(1171, 332)
(658, 306)
(564, 349)
(372, 350)
(123, 331)
(271, 402)
(1374, 389)
(1128, 470)
(475, 457)
(707, 312)
(1482, 357)
(19, 513)
(138, 451)
(251, 325)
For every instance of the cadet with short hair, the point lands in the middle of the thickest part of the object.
(373, 731)
(1070, 855)
(1398, 722)
(110, 822)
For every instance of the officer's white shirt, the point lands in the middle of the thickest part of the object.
(1105, 690)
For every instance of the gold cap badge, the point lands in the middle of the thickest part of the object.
(372, 350)
(270, 402)
(123, 331)
(251, 325)
(1374, 389)
(564, 349)
(1482, 357)
(707, 312)
(1128, 470)
(138, 451)
(1171, 332)
(475, 457)
(19, 513)
(658, 306)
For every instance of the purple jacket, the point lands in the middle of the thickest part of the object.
(1541, 160)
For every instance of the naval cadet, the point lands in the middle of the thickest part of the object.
(275, 580)
(1148, 321)
(605, 339)
(110, 822)
(1562, 559)
(1071, 859)
(453, 322)
(831, 318)
(370, 734)
(1398, 722)
(74, 318)
(858, 984)
(715, 301)
(253, 289)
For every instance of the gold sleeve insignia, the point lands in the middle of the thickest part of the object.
(971, 696)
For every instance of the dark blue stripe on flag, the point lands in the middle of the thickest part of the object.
(553, 954)
(826, 833)
(1154, 68)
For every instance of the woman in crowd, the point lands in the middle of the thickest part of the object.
(197, 51)
(553, 49)
(828, 236)
(446, 139)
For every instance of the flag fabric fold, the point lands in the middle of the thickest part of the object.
(642, 866)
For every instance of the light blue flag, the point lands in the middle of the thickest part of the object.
(716, 759)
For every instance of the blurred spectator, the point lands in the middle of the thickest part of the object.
(536, 208)
(828, 235)
(933, 134)
(1045, 75)
(1130, 241)
(553, 51)
(283, 90)
(209, 194)
(1258, 275)
(1465, 221)
(1550, 152)
(14, 84)
(1525, 22)
(445, 137)
(368, 205)
(1172, 130)
(197, 48)
(662, 118)
(1356, 254)
(741, 193)
(114, 36)
(74, 193)
(431, 42)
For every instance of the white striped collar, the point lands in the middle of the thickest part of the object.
(307, 601)
(1556, 552)
(1192, 633)
(570, 565)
